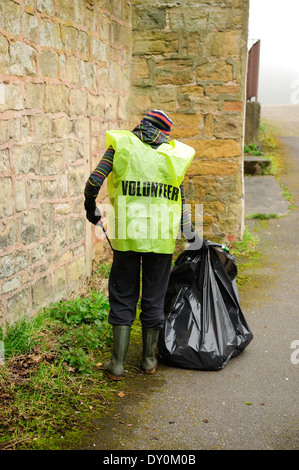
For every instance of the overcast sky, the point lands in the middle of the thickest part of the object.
(275, 23)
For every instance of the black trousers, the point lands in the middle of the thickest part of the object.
(124, 287)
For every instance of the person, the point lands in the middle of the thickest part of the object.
(145, 186)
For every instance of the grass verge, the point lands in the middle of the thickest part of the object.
(52, 386)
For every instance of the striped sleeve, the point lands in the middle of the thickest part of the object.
(99, 174)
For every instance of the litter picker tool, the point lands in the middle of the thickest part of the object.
(100, 223)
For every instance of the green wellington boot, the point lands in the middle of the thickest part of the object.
(149, 343)
(116, 366)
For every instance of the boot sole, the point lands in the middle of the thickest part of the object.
(114, 377)
(152, 371)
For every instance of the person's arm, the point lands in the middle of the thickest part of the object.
(187, 226)
(94, 184)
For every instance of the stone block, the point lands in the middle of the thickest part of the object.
(191, 18)
(42, 125)
(13, 98)
(224, 44)
(62, 209)
(196, 91)
(45, 6)
(98, 50)
(60, 239)
(20, 195)
(70, 38)
(10, 285)
(228, 126)
(48, 64)
(50, 34)
(155, 42)
(76, 180)
(209, 125)
(41, 251)
(56, 98)
(7, 200)
(83, 43)
(23, 60)
(77, 229)
(34, 95)
(69, 150)
(8, 233)
(233, 106)
(215, 70)
(25, 158)
(140, 70)
(18, 306)
(46, 218)
(15, 129)
(203, 187)
(34, 191)
(50, 189)
(60, 127)
(63, 185)
(148, 18)
(13, 263)
(186, 126)
(116, 74)
(96, 105)
(4, 56)
(65, 9)
(10, 17)
(59, 282)
(30, 27)
(41, 292)
(4, 158)
(76, 270)
(223, 168)
(78, 102)
(51, 164)
(88, 75)
(111, 104)
(72, 70)
(218, 90)
(215, 149)
(218, 18)
(174, 72)
(30, 226)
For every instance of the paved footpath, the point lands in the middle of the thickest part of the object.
(253, 403)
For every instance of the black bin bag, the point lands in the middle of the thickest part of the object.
(204, 324)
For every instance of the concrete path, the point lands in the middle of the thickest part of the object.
(253, 403)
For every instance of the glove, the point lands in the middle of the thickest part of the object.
(195, 243)
(93, 214)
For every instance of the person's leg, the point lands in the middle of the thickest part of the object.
(155, 276)
(124, 287)
(124, 283)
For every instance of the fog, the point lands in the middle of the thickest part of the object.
(275, 23)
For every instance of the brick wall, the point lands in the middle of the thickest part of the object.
(64, 79)
(189, 58)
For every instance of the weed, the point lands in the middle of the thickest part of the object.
(103, 270)
(262, 216)
(247, 246)
(252, 149)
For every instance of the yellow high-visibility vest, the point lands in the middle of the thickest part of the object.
(144, 192)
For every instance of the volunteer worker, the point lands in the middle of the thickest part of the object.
(146, 192)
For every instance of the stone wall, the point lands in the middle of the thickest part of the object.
(189, 58)
(64, 80)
